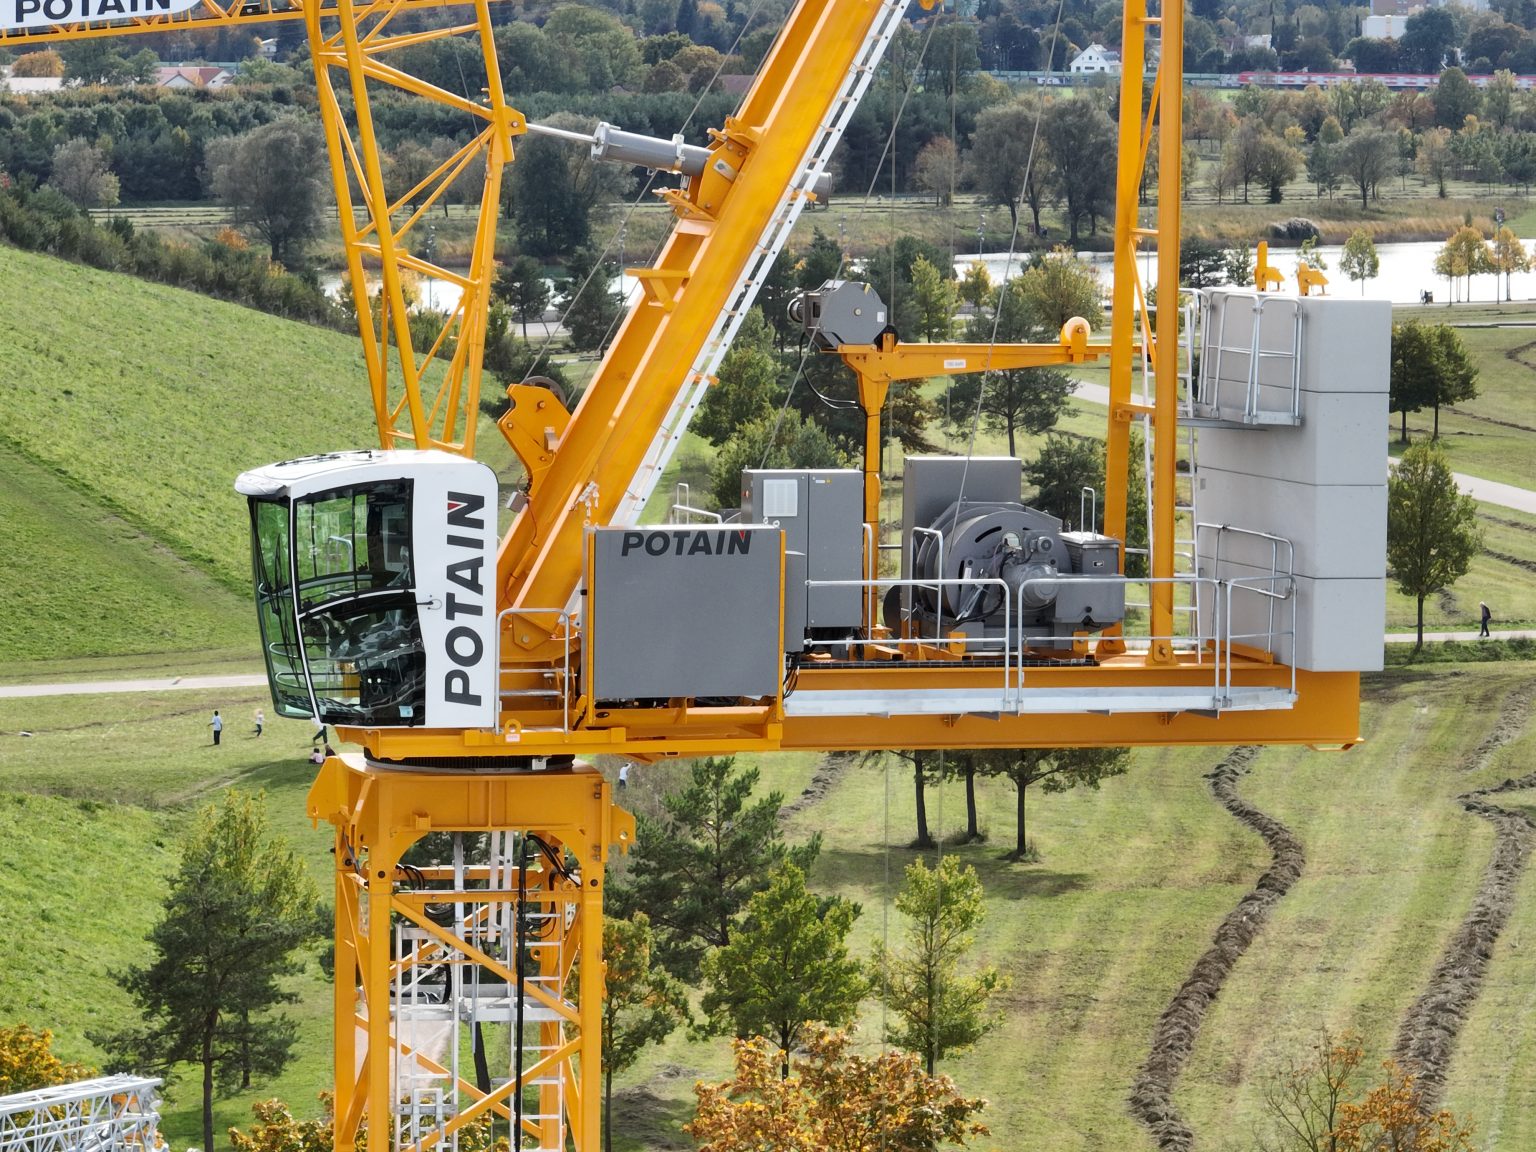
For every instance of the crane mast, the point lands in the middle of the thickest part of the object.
(476, 675)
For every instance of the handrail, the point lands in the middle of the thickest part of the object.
(565, 620)
(1275, 542)
(1249, 583)
(938, 625)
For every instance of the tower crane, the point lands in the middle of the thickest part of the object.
(477, 674)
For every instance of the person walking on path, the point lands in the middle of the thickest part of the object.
(217, 724)
(624, 774)
(261, 719)
(1487, 616)
(319, 736)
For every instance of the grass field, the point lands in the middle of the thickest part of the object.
(1095, 937)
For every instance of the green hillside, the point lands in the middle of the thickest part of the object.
(131, 407)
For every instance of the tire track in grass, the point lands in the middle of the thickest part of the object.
(1174, 1038)
(1426, 1039)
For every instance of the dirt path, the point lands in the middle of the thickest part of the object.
(1426, 1040)
(1174, 1038)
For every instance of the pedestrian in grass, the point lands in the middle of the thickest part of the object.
(217, 724)
(1487, 616)
(319, 735)
(261, 720)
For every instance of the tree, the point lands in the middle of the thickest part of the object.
(1509, 256)
(555, 188)
(27, 1061)
(784, 439)
(48, 62)
(694, 869)
(1302, 1098)
(1277, 164)
(1202, 263)
(1020, 399)
(938, 170)
(80, 173)
(1243, 153)
(1060, 471)
(1055, 770)
(523, 286)
(1428, 38)
(1366, 158)
(833, 1100)
(237, 909)
(1055, 288)
(1237, 264)
(1323, 168)
(1467, 254)
(940, 1010)
(1434, 160)
(976, 288)
(934, 299)
(1413, 383)
(1081, 140)
(1393, 1115)
(787, 966)
(747, 387)
(1432, 531)
(273, 179)
(1455, 98)
(1007, 162)
(641, 1005)
(591, 307)
(1455, 376)
(1359, 260)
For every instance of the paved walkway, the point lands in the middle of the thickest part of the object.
(1430, 637)
(1488, 491)
(101, 687)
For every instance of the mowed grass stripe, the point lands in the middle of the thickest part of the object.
(1392, 865)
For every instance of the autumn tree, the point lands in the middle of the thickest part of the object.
(1055, 770)
(1394, 1116)
(939, 1009)
(1434, 161)
(237, 909)
(1303, 1098)
(1081, 140)
(641, 1006)
(1465, 253)
(48, 62)
(694, 869)
(1509, 256)
(1432, 532)
(938, 170)
(785, 967)
(1359, 260)
(27, 1061)
(833, 1101)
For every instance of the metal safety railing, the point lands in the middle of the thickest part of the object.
(105, 1114)
(564, 621)
(1282, 564)
(1274, 589)
(1216, 349)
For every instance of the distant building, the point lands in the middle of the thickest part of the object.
(189, 76)
(1384, 27)
(1096, 58)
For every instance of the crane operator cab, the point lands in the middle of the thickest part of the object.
(375, 587)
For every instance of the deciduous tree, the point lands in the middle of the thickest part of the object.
(1432, 531)
(237, 909)
(274, 180)
(782, 439)
(80, 172)
(938, 169)
(642, 1004)
(695, 868)
(1359, 260)
(940, 1009)
(1008, 163)
(748, 388)
(27, 1061)
(785, 967)
(834, 1101)
(1081, 140)
(1020, 399)
(934, 300)
(1367, 157)
(1055, 770)
(1509, 256)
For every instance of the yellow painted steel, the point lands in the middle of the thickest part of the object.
(378, 813)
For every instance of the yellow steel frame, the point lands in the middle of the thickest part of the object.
(378, 815)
